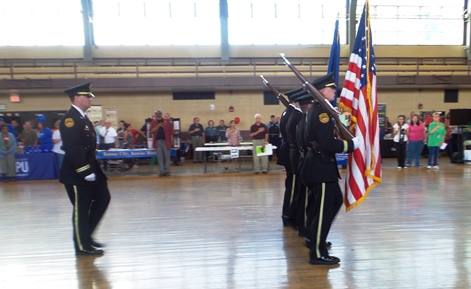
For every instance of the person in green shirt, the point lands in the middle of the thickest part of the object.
(436, 137)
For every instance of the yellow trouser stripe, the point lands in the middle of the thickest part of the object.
(293, 184)
(76, 220)
(319, 224)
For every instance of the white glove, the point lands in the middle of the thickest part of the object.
(356, 142)
(91, 177)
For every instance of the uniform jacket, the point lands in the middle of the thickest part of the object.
(291, 127)
(79, 144)
(321, 165)
(283, 155)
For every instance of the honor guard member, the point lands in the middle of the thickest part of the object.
(323, 175)
(85, 183)
(295, 211)
(284, 160)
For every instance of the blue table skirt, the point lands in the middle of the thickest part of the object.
(39, 166)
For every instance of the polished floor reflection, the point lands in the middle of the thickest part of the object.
(224, 231)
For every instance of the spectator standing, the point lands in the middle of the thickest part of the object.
(7, 154)
(222, 129)
(274, 134)
(211, 132)
(44, 133)
(120, 132)
(29, 136)
(98, 126)
(18, 128)
(233, 138)
(163, 134)
(401, 130)
(56, 149)
(416, 141)
(196, 132)
(436, 137)
(11, 129)
(259, 133)
(110, 139)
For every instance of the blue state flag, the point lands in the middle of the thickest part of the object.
(334, 60)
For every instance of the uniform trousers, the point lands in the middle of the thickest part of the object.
(8, 166)
(197, 141)
(300, 208)
(327, 202)
(290, 186)
(260, 164)
(90, 203)
(163, 157)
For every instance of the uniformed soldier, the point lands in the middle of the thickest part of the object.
(283, 160)
(296, 210)
(322, 171)
(84, 181)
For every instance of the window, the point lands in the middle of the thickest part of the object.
(156, 22)
(416, 22)
(285, 22)
(45, 22)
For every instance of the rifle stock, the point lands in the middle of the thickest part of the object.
(342, 129)
(278, 94)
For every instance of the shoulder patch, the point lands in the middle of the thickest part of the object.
(323, 117)
(69, 122)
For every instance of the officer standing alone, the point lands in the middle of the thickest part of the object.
(84, 181)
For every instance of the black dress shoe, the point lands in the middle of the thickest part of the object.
(97, 244)
(89, 252)
(328, 260)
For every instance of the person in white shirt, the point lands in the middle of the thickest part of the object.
(400, 132)
(56, 139)
(110, 139)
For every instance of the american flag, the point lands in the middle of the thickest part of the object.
(360, 99)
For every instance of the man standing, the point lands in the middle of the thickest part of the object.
(323, 175)
(85, 183)
(163, 132)
(29, 137)
(110, 139)
(259, 133)
(222, 128)
(274, 134)
(196, 132)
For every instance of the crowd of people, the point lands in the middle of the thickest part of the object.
(434, 133)
(28, 136)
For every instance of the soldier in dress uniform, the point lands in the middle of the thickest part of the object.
(283, 160)
(84, 181)
(322, 172)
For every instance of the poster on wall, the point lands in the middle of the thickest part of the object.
(95, 113)
(112, 116)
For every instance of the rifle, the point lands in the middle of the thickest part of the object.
(341, 128)
(278, 94)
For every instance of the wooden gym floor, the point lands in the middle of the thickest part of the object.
(224, 231)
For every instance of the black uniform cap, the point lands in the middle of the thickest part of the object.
(319, 83)
(325, 81)
(82, 89)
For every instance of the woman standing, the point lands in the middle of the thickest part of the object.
(56, 149)
(416, 141)
(233, 138)
(400, 131)
(7, 154)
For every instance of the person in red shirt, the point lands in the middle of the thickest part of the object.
(163, 132)
(259, 133)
